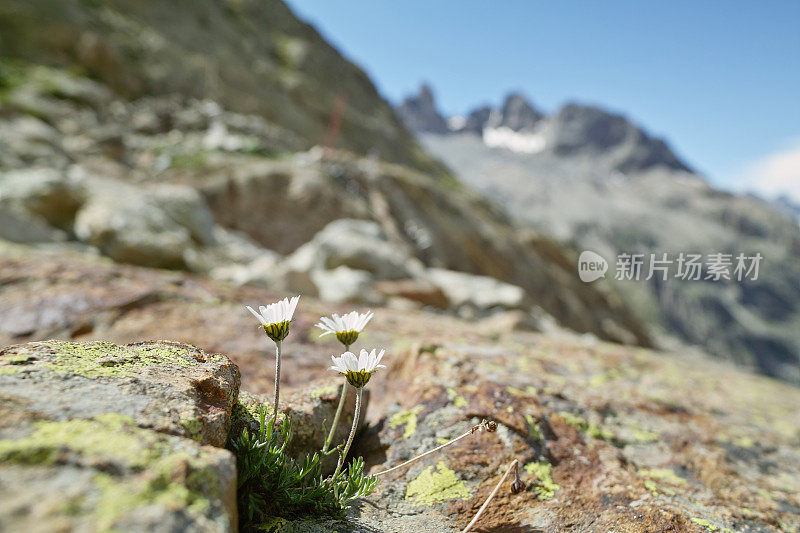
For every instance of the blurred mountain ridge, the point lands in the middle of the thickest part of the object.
(574, 130)
(595, 179)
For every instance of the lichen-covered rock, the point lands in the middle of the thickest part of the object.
(170, 387)
(607, 437)
(99, 437)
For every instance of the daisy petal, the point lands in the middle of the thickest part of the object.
(259, 317)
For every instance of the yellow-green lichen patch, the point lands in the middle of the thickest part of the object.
(140, 466)
(744, 442)
(534, 431)
(546, 487)
(710, 526)
(11, 364)
(408, 418)
(18, 359)
(272, 524)
(456, 398)
(520, 393)
(119, 498)
(244, 414)
(109, 435)
(102, 359)
(193, 428)
(431, 486)
(589, 428)
(662, 474)
(324, 390)
(643, 435)
(599, 380)
(655, 489)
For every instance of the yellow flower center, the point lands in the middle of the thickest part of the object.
(277, 331)
(358, 379)
(348, 338)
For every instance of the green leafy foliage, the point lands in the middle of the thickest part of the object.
(272, 484)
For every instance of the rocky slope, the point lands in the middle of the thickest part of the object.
(594, 178)
(609, 437)
(170, 183)
(252, 56)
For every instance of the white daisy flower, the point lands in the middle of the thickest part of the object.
(347, 327)
(359, 369)
(275, 318)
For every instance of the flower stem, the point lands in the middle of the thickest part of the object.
(339, 409)
(356, 416)
(473, 429)
(277, 381)
(335, 423)
(491, 495)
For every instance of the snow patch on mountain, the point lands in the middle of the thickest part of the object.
(516, 141)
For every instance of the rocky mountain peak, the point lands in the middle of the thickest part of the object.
(516, 114)
(589, 130)
(575, 130)
(418, 112)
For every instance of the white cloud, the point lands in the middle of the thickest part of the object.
(775, 174)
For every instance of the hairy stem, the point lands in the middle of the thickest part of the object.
(335, 423)
(352, 433)
(277, 381)
(467, 433)
(339, 409)
(491, 495)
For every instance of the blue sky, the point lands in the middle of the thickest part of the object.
(719, 80)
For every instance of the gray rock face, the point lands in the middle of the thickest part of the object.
(470, 293)
(476, 120)
(516, 114)
(419, 113)
(579, 129)
(129, 434)
(22, 227)
(344, 284)
(359, 245)
(43, 192)
(152, 227)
